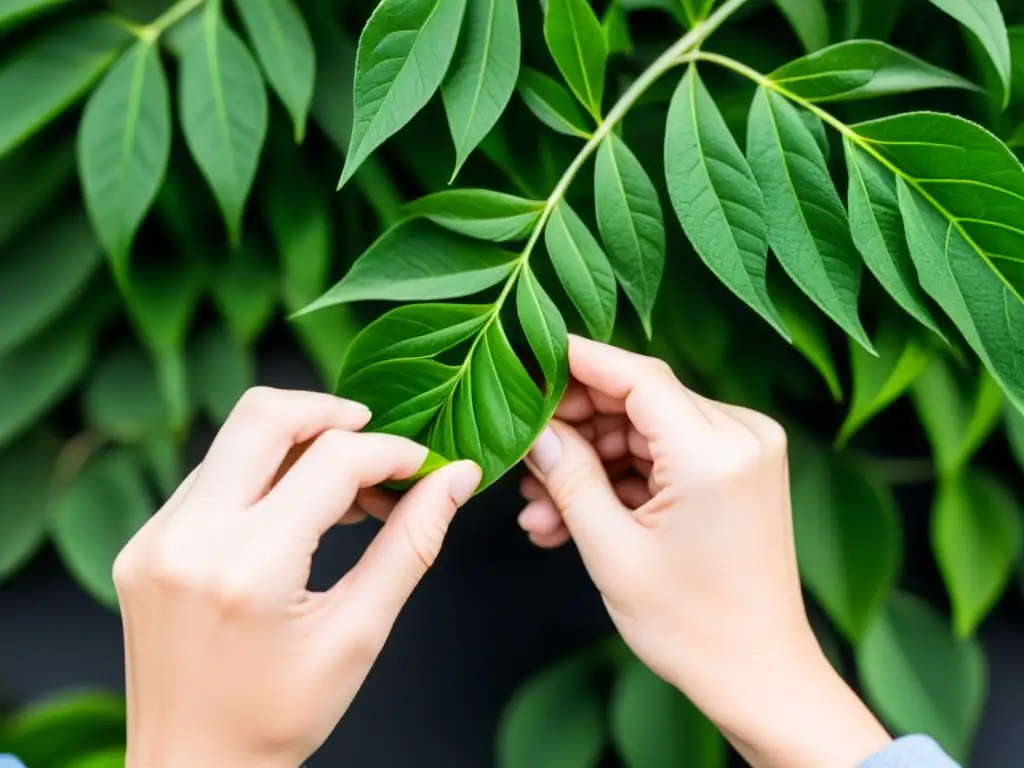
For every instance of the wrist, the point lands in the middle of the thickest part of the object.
(184, 753)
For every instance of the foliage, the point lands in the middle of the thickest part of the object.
(530, 158)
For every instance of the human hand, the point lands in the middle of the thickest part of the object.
(230, 660)
(680, 509)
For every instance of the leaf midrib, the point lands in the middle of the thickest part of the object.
(641, 268)
(492, 9)
(134, 107)
(210, 29)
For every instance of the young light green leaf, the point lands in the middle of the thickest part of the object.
(124, 143)
(545, 330)
(984, 19)
(878, 233)
(25, 472)
(480, 213)
(223, 113)
(578, 46)
(697, 10)
(285, 50)
(977, 532)
(419, 261)
(920, 678)
(862, 69)
(631, 224)
(122, 398)
(15, 12)
(552, 104)
(49, 74)
(847, 539)
(101, 509)
(798, 316)
(483, 73)
(807, 225)
(583, 269)
(404, 51)
(615, 23)
(715, 196)
(246, 288)
(220, 370)
(809, 19)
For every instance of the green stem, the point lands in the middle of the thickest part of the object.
(169, 18)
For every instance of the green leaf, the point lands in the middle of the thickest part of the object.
(879, 381)
(29, 182)
(223, 113)
(631, 224)
(335, 57)
(615, 23)
(246, 287)
(578, 46)
(55, 731)
(25, 474)
(976, 535)
(817, 128)
(220, 370)
(404, 395)
(809, 19)
(653, 725)
(15, 12)
(480, 213)
(715, 196)
(483, 73)
(798, 316)
(878, 233)
(583, 269)
(418, 261)
(108, 758)
(984, 19)
(807, 225)
(545, 330)
(1015, 433)
(404, 51)
(847, 539)
(285, 50)
(920, 678)
(552, 104)
(43, 275)
(124, 143)
(697, 10)
(47, 75)
(862, 69)
(122, 398)
(101, 509)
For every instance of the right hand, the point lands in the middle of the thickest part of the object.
(680, 509)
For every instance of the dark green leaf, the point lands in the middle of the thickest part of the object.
(15, 12)
(578, 46)
(697, 10)
(809, 19)
(220, 370)
(404, 395)
(122, 398)
(1015, 433)
(480, 213)
(616, 30)
(29, 182)
(546, 332)
(552, 104)
(984, 19)
(25, 473)
(246, 287)
(800, 319)
(583, 268)
(335, 56)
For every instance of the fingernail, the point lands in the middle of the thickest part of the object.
(546, 451)
(464, 483)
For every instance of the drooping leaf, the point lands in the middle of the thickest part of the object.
(862, 69)
(583, 269)
(480, 213)
(404, 51)
(546, 332)
(246, 288)
(616, 29)
(25, 472)
(920, 678)
(483, 73)
(977, 531)
(809, 19)
(15, 12)
(223, 113)
(984, 19)
(335, 56)
(220, 370)
(100, 510)
(653, 725)
(29, 182)
(285, 50)
(807, 224)
(419, 261)
(124, 143)
(49, 74)
(802, 322)
(715, 196)
(85, 721)
(578, 46)
(552, 104)
(122, 398)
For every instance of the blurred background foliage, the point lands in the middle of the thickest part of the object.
(107, 365)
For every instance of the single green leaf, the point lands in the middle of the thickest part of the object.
(404, 51)
(817, 128)
(122, 398)
(630, 221)
(715, 196)
(615, 23)
(697, 10)
(583, 269)
(56, 730)
(335, 57)
(862, 69)
(578, 46)
(480, 213)
(977, 532)
(872, 19)
(285, 50)
(31, 179)
(483, 73)
(847, 539)
(878, 233)
(124, 143)
(108, 758)
(223, 113)
(163, 454)
(418, 261)
(1015, 432)
(47, 75)
(545, 330)
(809, 19)
(984, 19)
(15, 12)
(25, 474)
(246, 287)
(920, 678)
(798, 316)
(100, 510)
(552, 104)
(220, 370)
(404, 395)
(807, 225)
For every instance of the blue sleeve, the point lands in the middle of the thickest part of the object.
(911, 752)
(10, 761)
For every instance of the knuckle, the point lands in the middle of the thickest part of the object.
(571, 486)
(426, 537)
(259, 402)
(336, 443)
(774, 438)
(658, 367)
(125, 571)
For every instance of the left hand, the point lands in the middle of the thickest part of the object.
(230, 660)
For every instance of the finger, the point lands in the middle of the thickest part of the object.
(633, 492)
(551, 540)
(531, 489)
(262, 428)
(540, 517)
(575, 404)
(376, 502)
(612, 437)
(323, 483)
(354, 516)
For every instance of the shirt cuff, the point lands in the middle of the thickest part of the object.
(911, 752)
(10, 761)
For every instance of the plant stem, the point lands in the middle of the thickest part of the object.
(169, 18)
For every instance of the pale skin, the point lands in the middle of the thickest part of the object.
(231, 662)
